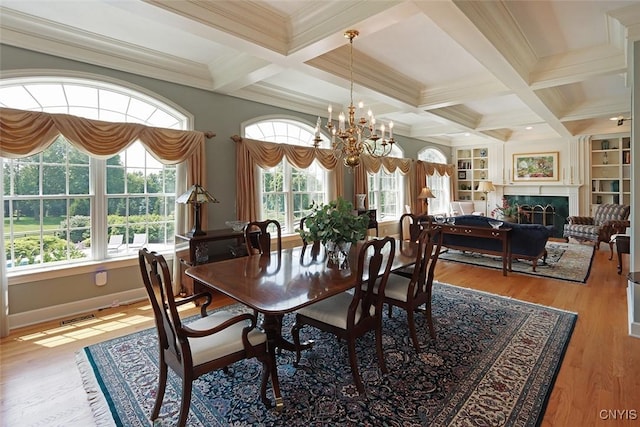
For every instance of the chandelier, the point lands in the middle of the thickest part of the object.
(355, 136)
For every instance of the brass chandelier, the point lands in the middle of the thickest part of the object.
(354, 137)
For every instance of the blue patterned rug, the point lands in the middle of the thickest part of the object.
(494, 362)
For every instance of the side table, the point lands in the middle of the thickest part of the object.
(623, 244)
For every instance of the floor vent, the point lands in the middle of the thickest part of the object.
(77, 319)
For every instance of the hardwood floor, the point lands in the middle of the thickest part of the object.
(598, 384)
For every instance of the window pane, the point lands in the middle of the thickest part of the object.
(115, 180)
(55, 179)
(27, 179)
(78, 180)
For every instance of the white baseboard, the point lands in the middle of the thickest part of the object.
(62, 311)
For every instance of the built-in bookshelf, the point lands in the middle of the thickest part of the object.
(610, 171)
(472, 167)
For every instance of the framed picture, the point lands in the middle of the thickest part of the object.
(535, 166)
(462, 174)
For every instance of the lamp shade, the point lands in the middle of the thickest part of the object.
(196, 194)
(426, 194)
(486, 187)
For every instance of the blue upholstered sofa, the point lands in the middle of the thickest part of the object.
(528, 241)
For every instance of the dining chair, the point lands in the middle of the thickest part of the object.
(213, 341)
(258, 237)
(412, 292)
(414, 223)
(350, 315)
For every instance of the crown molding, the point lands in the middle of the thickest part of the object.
(50, 38)
(460, 115)
(461, 92)
(597, 108)
(577, 66)
(252, 21)
(369, 73)
(495, 23)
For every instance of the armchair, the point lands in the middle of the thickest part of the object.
(608, 219)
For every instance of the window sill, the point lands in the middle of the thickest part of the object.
(46, 273)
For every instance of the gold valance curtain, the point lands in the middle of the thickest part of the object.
(251, 153)
(25, 133)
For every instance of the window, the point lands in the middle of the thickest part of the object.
(287, 192)
(62, 205)
(439, 185)
(386, 191)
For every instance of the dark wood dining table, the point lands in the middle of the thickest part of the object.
(282, 282)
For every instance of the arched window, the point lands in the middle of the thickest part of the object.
(287, 192)
(439, 185)
(63, 206)
(386, 191)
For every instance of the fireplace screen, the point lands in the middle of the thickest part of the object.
(537, 214)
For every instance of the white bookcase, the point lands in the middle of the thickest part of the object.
(472, 167)
(610, 171)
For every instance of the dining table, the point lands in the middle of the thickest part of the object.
(282, 282)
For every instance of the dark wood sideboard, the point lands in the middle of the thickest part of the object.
(214, 245)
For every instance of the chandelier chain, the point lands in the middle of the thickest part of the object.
(356, 136)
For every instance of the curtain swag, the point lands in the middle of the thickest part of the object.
(432, 168)
(269, 154)
(24, 133)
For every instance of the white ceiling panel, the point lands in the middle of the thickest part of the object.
(439, 70)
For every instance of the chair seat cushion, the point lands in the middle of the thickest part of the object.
(333, 311)
(582, 231)
(397, 287)
(228, 341)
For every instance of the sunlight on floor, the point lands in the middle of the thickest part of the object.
(88, 328)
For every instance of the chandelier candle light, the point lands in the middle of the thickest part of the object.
(354, 137)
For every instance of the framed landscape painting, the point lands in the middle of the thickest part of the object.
(535, 166)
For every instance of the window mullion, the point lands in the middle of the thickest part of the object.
(97, 194)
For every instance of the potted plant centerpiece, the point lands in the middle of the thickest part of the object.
(336, 225)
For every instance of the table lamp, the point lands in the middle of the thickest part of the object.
(486, 187)
(425, 195)
(196, 195)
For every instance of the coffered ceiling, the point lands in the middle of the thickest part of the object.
(450, 72)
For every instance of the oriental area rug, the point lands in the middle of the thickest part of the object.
(493, 362)
(565, 261)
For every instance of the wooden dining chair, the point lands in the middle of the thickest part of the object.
(258, 237)
(351, 315)
(214, 341)
(414, 223)
(412, 292)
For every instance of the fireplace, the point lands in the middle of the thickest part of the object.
(546, 210)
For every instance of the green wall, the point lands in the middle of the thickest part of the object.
(212, 112)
